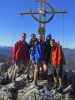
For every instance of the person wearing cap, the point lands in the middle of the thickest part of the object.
(34, 56)
(32, 40)
(21, 53)
(48, 49)
(48, 54)
(35, 59)
(43, 67)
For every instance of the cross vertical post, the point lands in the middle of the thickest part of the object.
(42, 18)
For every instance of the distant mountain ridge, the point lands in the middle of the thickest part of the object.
(70, 58)
(5, 53)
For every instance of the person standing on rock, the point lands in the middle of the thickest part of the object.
(57, 61)
(21, 54)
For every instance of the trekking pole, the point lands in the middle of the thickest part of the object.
(35, 73)
(14, 72)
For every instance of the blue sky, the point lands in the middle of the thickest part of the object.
(11, 24)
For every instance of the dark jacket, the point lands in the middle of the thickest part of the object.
(48, 52)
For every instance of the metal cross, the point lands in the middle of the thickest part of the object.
(43, 15)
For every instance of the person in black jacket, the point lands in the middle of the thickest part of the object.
(48, 49)
(48, 54)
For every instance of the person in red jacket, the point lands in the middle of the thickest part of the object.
(57, 60)
(21, 53)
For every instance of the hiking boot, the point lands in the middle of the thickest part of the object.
(60, 83)
(35, 83)
(55, 86)
(55, 83)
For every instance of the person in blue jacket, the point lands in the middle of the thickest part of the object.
(35, 53)
(35, 56)
(43, 67)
